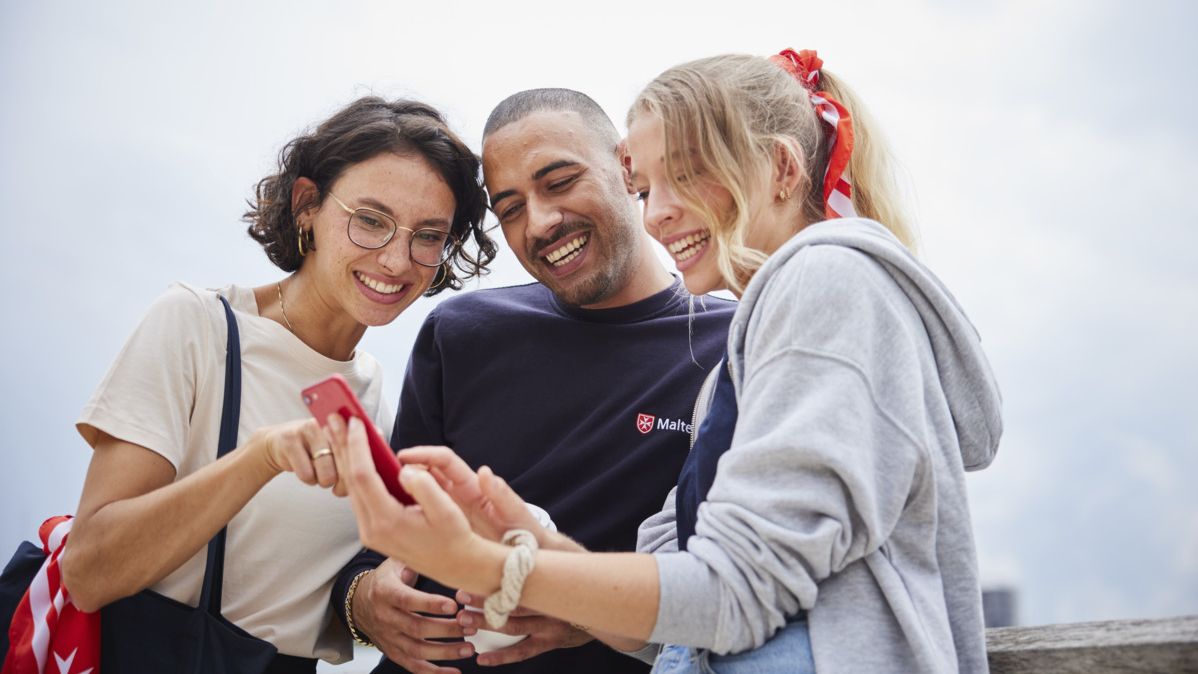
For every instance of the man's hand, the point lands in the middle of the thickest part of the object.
(385, 609)
(544, 633)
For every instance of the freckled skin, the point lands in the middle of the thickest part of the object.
(325, 302)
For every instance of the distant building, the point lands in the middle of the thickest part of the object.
(998, 607)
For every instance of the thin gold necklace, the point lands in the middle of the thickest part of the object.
(283, 307)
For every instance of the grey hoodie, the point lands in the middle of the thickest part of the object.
(863, 396)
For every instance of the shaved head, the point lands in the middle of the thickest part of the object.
(521, 104)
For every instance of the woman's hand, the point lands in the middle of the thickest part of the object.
(491, 505)
(299, 447)
(433, 537)
(126, 536)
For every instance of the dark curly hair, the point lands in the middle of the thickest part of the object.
(362, 130)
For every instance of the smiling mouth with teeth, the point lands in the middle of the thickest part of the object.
(378, 287)
(567, 251)
(686, 247)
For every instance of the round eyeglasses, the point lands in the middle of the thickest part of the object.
(371, 229)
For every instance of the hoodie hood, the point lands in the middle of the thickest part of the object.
(965, 375)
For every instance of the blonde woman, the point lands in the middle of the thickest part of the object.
(820, 522)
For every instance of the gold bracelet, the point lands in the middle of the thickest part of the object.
(349, 611)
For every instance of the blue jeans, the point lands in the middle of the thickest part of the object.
(788, 651)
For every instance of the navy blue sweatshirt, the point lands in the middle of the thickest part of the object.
(585, 413)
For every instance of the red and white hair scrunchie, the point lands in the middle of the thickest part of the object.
(838, 191)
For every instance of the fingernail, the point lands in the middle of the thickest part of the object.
(465, 651)
(449, 607)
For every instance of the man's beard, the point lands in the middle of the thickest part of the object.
(616, 250)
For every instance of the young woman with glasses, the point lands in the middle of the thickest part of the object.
(820, 522)
(367, 212)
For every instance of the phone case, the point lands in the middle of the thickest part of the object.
(333, 395)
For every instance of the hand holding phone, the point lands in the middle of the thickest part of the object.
(334, 396)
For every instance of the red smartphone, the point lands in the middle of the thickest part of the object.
(333, 395)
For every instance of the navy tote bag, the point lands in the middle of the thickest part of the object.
(149, 633)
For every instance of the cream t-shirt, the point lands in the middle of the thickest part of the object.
(165, 392)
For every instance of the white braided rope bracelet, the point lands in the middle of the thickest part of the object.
(516, 567)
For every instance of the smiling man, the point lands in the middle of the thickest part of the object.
(558, 189)
(577, 389)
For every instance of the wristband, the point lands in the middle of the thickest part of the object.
(516, 567)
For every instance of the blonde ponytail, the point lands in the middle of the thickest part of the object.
(876, 192)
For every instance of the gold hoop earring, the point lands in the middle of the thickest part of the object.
(441, 277)
(305, 241)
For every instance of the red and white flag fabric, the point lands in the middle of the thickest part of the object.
(48, 634)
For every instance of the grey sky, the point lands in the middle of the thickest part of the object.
(1050, 147)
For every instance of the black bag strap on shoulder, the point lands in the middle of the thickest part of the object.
(214, 570)
(149, 632)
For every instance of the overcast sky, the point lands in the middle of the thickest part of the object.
(1050, 146)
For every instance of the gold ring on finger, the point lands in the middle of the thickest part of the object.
(321, 452)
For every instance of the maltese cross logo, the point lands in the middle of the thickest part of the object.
(644, 423)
